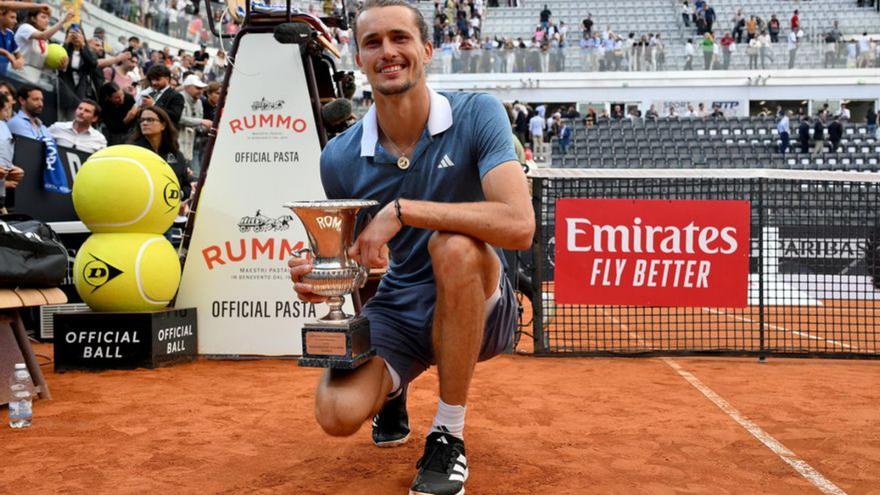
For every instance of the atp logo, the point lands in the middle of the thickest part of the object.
(98, 272)
(171, 194)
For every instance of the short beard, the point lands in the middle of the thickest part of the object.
(396, 91)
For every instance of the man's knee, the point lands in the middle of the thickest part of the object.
(336, 417)
(455, 252)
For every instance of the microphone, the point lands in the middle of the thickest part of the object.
(337, 112)
(291, 33)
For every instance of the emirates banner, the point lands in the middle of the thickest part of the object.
(652, 252)
(267, 153)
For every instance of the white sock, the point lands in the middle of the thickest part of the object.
(449, 419)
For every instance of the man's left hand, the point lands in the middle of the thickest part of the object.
(371, 247)
(15, 174)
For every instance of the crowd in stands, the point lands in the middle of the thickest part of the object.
(108, 94)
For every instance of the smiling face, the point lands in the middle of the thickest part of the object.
(391, 52)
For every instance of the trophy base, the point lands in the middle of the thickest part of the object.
(339, 345)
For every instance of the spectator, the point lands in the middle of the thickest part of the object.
(739, 25)
(795, 22)
(79, 133)
(844, 113)
(728, 43)
(121, 72)
(33, 37)
(773, 27)
(588, 26)
(162, 95)
(689, 55)
(784, 130)
(716, 112)
(764, 44)
(835, 133)
(564, 137)
(686, 12)
(617, 112)
(709, 16)
(79, 79)
(9, 53)
(211, 100)
(193, 118)
(118, 112)
(200, 58)
(156, 132)
(792, 48)
(671, 115)
(804, 134)
(545, 17)
(10, 175)
(751, 28)
(537, 125)
(819, 133)
(871, 121)
(708, 46)
(651, 115)
(27, 123)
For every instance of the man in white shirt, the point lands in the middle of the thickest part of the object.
(536, 129)
(792, 48)
(864, 58)
(689, 55)
(79, 133)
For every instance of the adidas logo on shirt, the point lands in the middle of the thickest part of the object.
(445, 162)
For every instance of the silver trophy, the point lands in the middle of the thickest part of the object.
(337, 340)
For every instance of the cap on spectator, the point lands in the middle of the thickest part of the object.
(193, 80)
(99, 31)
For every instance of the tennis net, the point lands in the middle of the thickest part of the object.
(811, 277)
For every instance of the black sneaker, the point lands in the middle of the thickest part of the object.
(391, 425)
(443, 467)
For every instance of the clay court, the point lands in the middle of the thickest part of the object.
(535, 426)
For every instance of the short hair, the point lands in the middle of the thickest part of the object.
(158, 70)
(372, 4)
(212, 87)
(107, 90)
(25, 90)
(133, 38)
(93, 103)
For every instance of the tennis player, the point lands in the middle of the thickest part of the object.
(451, 193)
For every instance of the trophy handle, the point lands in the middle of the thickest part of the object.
(299, 252)
(362, 275)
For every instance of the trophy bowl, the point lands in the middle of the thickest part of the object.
(337, 340)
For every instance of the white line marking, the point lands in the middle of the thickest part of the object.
(799, 465)
(781, 329)
(625, 328)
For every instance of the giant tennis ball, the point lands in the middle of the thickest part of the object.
(126, 272)
(126, 188)
(55, 54)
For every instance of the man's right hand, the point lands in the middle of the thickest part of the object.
(146, 101)
(300, 266)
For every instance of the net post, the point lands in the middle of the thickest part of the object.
(761, 223)
(538, 266)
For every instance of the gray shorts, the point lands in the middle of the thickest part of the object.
(402, 337)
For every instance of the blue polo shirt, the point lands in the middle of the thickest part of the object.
(466, 136)
(7, 42)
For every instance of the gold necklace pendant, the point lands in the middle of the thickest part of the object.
(403, 163)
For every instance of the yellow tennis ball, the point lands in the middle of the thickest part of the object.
(126, 188)
(55, 54)
(126, 272)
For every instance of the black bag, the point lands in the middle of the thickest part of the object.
(31, 255)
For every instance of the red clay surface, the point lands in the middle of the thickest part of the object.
(534, 426)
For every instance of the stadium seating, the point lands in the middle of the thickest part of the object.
(746, 142)
(663, 16)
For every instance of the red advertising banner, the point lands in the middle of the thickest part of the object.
(652, 252)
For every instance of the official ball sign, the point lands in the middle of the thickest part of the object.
(652, 252)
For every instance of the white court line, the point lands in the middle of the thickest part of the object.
(799, 465)
(782, 329)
